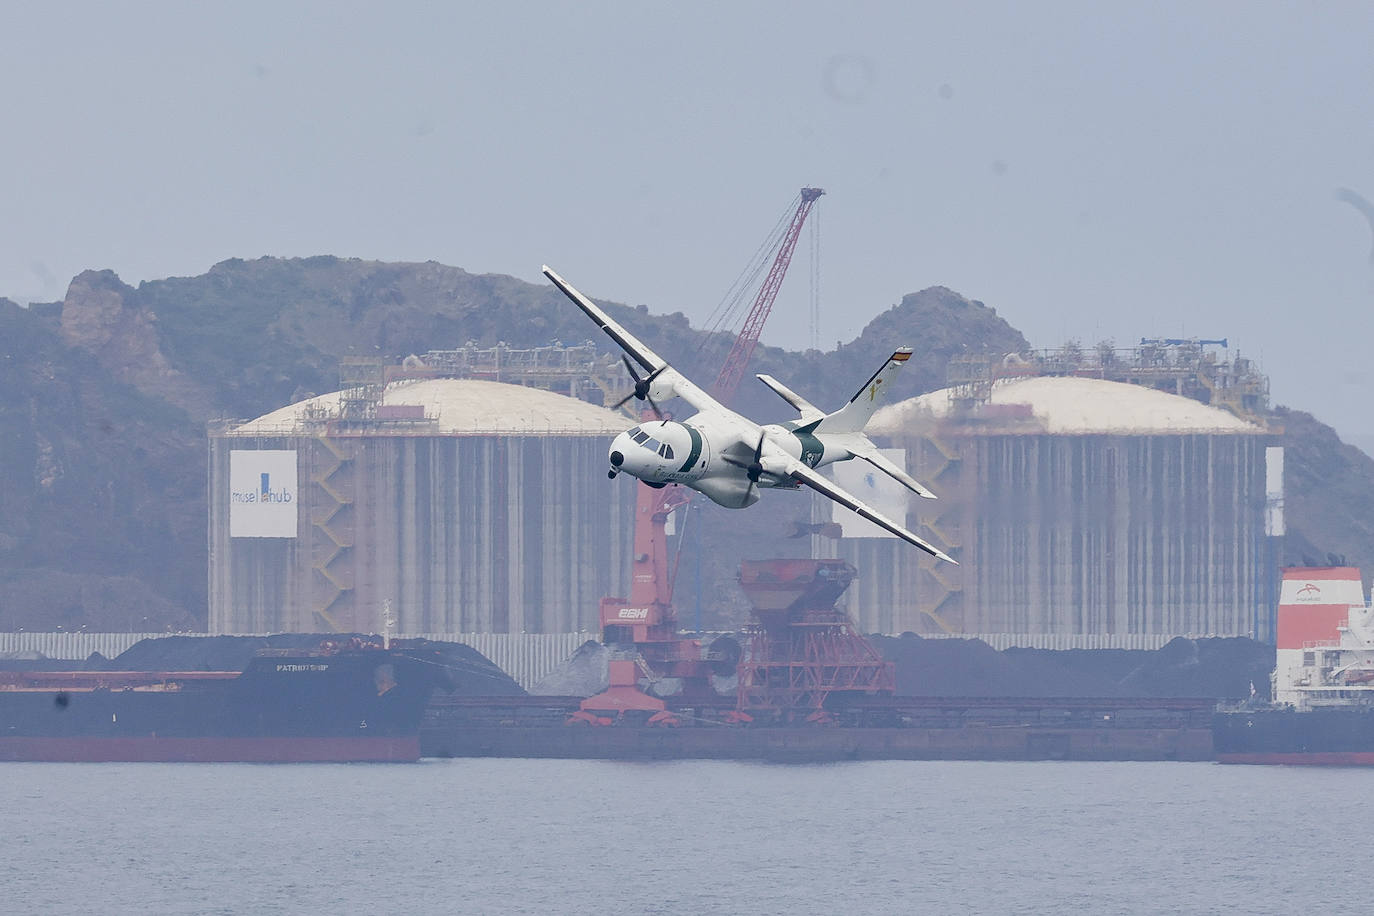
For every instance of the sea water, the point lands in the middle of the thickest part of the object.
(691, 837)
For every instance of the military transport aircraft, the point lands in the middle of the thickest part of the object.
(729, 457)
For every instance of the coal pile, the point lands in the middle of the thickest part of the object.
(468, 671)
(1221, 668)
(972, 668)
(30, 660)
(1100, 665)
(205, 653)
(1218, 668)
(585, 673)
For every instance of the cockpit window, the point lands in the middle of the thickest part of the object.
(665, 451)
(652, 445)
(639, 436)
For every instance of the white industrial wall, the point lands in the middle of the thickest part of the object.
(1102, 535)
(498, 534)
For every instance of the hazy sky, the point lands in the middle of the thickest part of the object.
(1090, 170)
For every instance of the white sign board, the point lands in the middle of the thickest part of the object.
(262, 494)
(882, 493)
(1273, 491)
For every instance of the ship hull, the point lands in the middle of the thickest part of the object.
(349, 706)
(904, 728)
(1303, 758)
(210, 750)
(1324, 737)
(820, 745)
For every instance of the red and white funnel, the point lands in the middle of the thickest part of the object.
(1316, 606)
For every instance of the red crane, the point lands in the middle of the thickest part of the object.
(647, 619)
(727, 382)
(733, 370)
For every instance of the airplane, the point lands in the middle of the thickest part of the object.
(729, 457)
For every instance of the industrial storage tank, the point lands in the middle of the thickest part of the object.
(1083, 513)
(440, 505)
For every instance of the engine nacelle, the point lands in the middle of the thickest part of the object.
(730, 492)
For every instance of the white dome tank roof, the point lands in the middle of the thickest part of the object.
(460, 407)
(1071, 405)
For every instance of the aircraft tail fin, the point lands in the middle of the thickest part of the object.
(852, 417)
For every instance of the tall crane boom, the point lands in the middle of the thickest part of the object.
(647, 619)
(730, 374)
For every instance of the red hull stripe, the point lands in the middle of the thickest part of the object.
(1318, 758)
(211, 750)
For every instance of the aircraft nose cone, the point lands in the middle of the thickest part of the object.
(617, 459)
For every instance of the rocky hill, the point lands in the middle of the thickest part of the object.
(107, 393)
(102, 491)
(249, 336)
(1328, 496)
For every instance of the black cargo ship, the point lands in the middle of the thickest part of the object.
(351, 702)
(1332, 737)
(901, 728)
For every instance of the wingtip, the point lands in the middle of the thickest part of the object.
(935, 552)
(554, 278)
(941, 555)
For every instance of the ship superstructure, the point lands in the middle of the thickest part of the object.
(1323, 680)
(1325, 654)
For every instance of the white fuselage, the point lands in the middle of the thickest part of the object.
(730, 458)
(694, 453)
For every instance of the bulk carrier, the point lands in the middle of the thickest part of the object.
(349, 701)
(809, 689)
(1323, 680)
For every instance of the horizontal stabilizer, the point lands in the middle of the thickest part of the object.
(884, 464)
(804, 407)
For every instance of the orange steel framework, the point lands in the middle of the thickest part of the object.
(802, 651)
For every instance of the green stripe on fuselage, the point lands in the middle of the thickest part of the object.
(695, 452)
(811, 447)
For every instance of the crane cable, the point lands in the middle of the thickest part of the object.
(727, 313)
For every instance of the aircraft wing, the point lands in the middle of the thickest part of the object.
(805, 475)
(876, 458)
(667, 380)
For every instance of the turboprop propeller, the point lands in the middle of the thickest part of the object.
(754, 469)
(642, 386)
